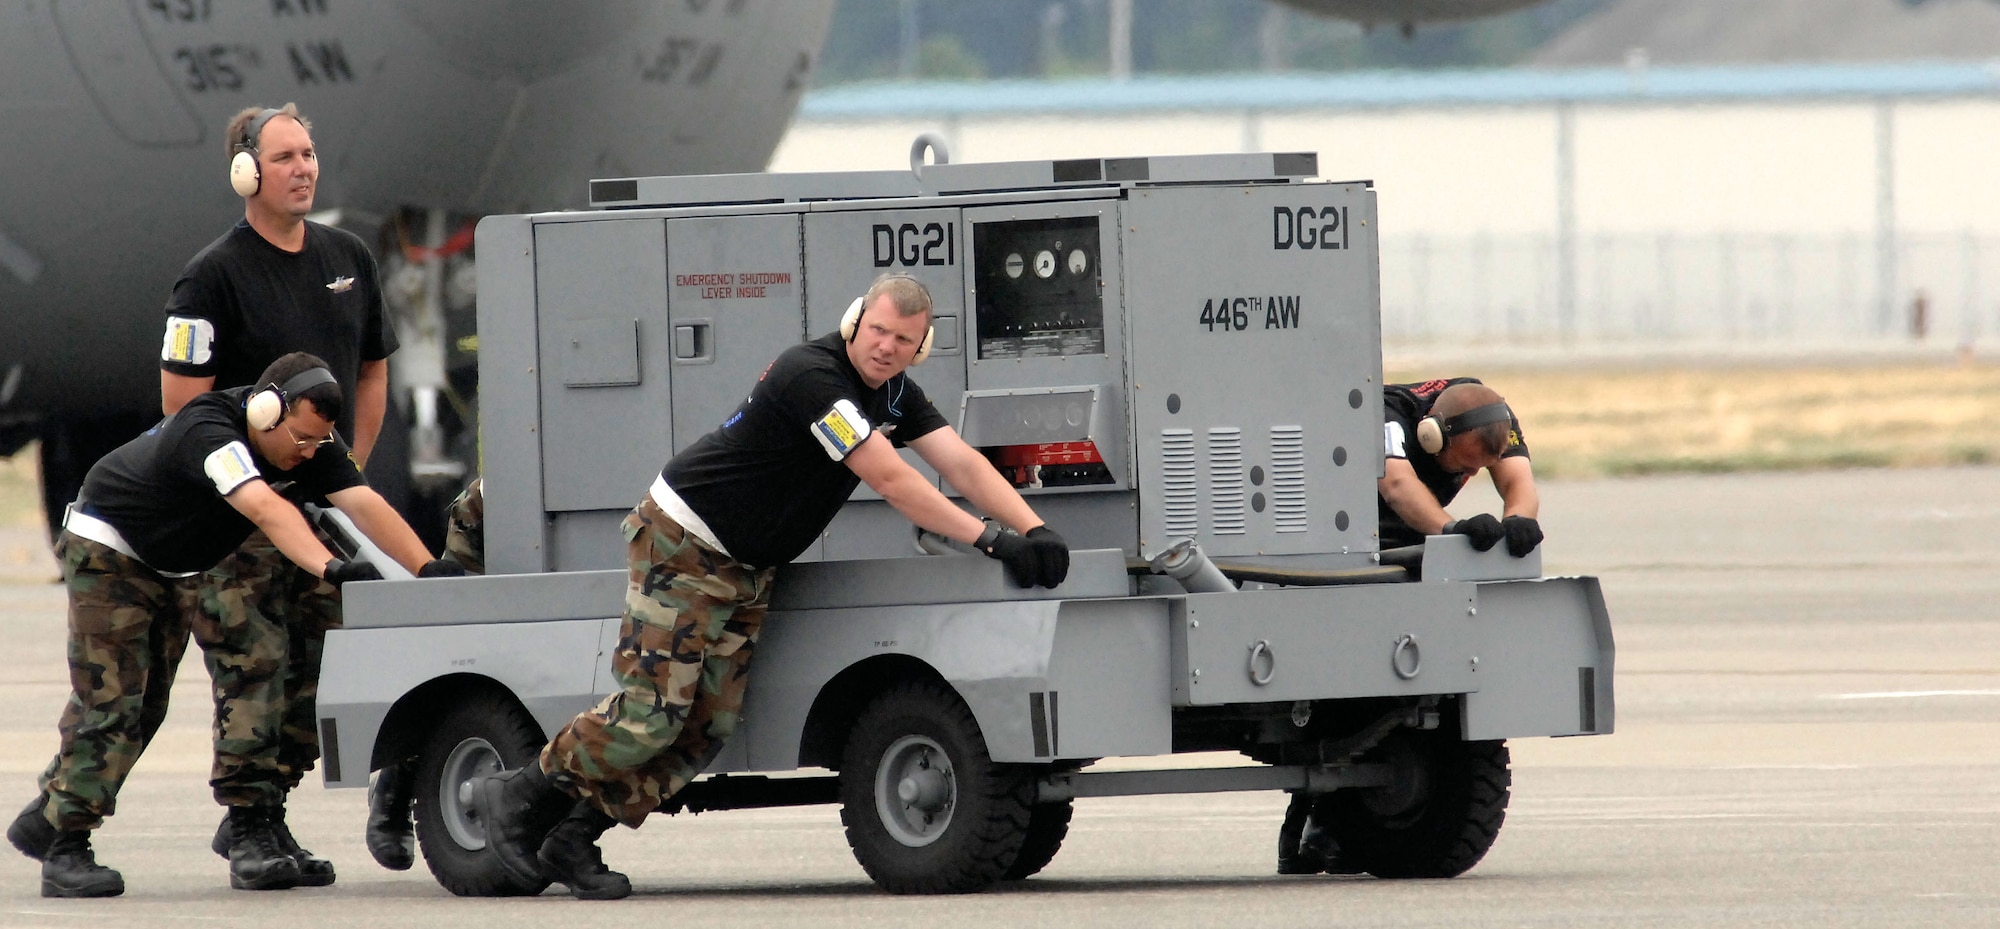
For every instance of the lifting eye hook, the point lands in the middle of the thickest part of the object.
(928, 142)
(1406, 658)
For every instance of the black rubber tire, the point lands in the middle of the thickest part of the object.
(1437, 819)
(988, 805)
(1048, 825)
(474, 734)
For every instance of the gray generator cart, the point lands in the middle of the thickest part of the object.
(1176, 359)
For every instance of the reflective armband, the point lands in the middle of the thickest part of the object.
(1392, 440)
(190, 340)
(230, 467)
(841, 430)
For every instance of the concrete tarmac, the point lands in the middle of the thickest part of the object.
(1808, 735)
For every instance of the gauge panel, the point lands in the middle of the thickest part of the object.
(1039, 294)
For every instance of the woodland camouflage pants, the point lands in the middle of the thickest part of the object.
(128, 628)
(682, 663)
(262, 626)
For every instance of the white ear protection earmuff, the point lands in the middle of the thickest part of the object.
(265, 408)
(243, 173)
(1434, 432)
(850, 323)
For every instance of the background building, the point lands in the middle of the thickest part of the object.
(1772, 172)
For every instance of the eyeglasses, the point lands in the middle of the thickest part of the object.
(306, 443)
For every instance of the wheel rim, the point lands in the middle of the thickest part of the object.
(471, 760)
(1408, 794)
(915, 790)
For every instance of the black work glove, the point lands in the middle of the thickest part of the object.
(441, 567)
(1483, 530)
(1051, 556)
(1017, 553)
(1523, 534)
(340, 571)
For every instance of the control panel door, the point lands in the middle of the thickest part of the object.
(602, 330)
(1256, 366)
(737, 296)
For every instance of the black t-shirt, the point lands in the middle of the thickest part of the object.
(164, 490)
(1403, 406)
(771, 477)
(242, 303)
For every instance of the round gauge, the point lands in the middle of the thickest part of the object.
(1078, 261)
(1045, 263)
(1014, 264)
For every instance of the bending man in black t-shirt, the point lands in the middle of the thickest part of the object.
(276, 283)
(152, 516)
(1435, 436)
(703, 545)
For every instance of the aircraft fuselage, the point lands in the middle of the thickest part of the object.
(113, 166)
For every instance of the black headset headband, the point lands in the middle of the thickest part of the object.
(303, 381)
(1474, 418)
(253, 130)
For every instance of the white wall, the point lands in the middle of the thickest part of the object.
(1764, 168)
(1437, 171)
(1738, 221)
(1946, 158)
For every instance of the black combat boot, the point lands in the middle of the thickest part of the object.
(389, 836)
(71, 869)
(258, 860)
(518, 808)
(31, 831)
(314, 871)
(571, 857)
(1305, 846)
(1294, 857)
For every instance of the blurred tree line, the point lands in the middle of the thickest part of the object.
(947, 40)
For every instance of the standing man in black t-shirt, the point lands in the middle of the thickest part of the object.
(276, 283)
(702, 547)
(152, 516)
(1435, 436)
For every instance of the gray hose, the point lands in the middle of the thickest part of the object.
(1184, 562)
(930, 543)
